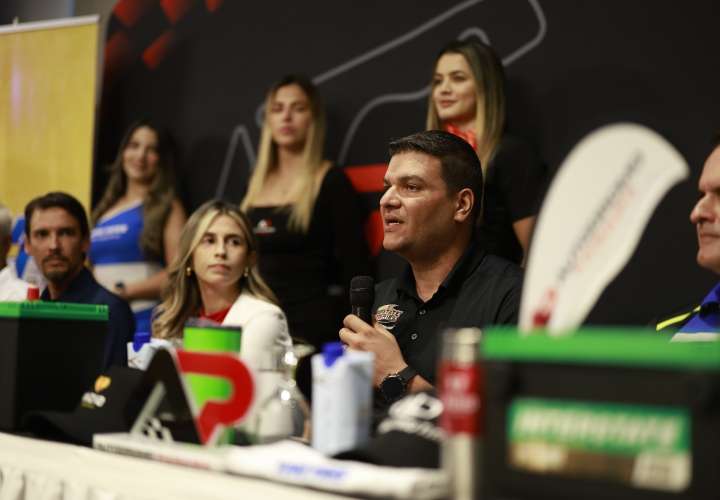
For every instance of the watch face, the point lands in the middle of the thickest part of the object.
(392, 387)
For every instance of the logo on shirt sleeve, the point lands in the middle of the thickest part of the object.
(388, 315)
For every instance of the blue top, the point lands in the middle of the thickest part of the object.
(116, 239)
(121, 325)
(116, 255)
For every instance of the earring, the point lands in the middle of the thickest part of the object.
(247, 272)
(188, 271)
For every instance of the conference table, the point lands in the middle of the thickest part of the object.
(34, 469)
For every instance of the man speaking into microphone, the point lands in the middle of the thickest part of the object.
(430, 208)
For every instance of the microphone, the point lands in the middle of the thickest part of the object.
(362, 296)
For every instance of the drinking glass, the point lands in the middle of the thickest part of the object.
(283, 413)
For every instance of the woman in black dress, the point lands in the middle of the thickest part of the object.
(467, 98)
(306, 215)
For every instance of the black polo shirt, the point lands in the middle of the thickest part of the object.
(121, 322)
(480, 290)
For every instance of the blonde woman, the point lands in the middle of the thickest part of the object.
(215, 276)
(305, 214)
(467, 98)
(138, 221)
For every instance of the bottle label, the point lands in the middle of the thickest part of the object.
(461, 391)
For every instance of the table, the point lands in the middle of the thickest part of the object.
(42, 470)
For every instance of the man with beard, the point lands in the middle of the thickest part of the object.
(58, 238)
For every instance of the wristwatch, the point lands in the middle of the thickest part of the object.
(395, 385)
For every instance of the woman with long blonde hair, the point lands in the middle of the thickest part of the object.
(305, 213)
(467, 98)
(138, 220)
(215, 276)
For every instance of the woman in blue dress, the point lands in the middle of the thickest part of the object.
(138, 221)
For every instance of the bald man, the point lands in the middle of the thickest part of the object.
(702, 322)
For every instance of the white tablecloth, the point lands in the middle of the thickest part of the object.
(41, 470)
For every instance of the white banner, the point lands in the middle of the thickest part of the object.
(591, 222)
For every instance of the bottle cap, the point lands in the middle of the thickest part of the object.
(33, 293)
(139, 339)
(331, 352)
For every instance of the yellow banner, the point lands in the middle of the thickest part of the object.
(47, 109)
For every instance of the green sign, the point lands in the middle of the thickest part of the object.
(600, 346)
(644, 446)
(53, 310)
(608, 428)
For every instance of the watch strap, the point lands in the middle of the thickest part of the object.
(406, 374)
(395, 385)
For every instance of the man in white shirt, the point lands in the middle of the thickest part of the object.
(11, 288)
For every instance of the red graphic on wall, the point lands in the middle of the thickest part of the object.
(175, 9)
(129, 11)
(370, 179)
(158, 24)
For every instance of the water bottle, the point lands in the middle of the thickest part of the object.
(461, 390)
(342, 398)
(139, 353)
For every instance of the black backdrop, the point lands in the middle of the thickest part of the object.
(202, 68)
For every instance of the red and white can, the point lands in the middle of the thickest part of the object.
(461, 388)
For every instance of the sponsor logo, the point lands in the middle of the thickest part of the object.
(153, 428)
(600, 428)
(93, 400)
(388, 315)
(414, 414)
(264, 227)
(111, 232)
(460, 388)
(102, 383)
(302, 470)
(644, 446)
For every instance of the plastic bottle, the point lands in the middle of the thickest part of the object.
(342, 398)
(461, 392)
(139, 352)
